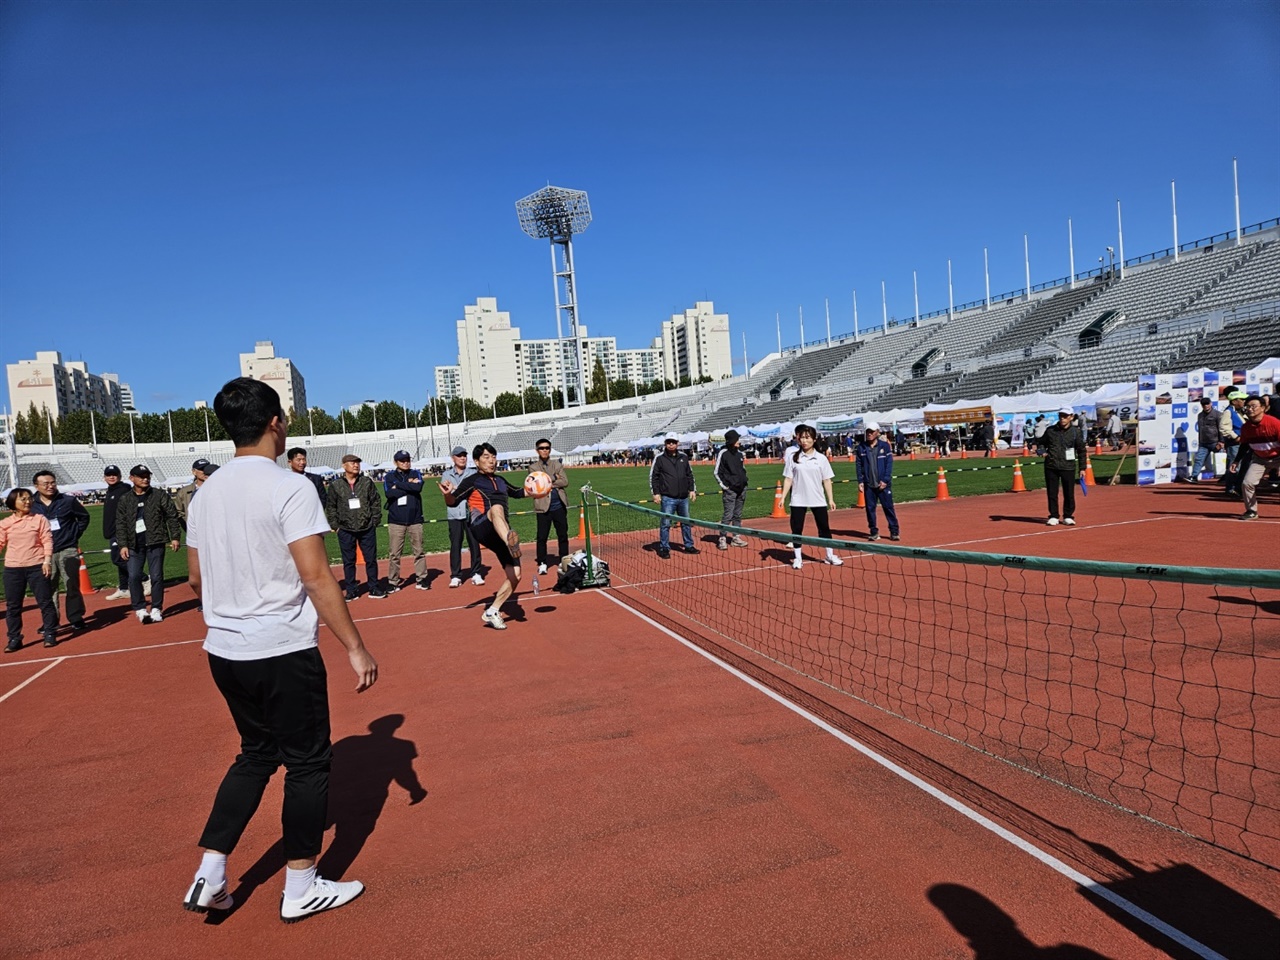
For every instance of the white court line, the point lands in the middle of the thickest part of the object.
(1057, 531)
(29, 679)
(1075, 876)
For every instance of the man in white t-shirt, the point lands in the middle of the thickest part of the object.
(258, 562)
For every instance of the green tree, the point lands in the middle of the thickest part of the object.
(73, 428)
(508, 404)
(535, 401)
(322, 423)
(599, 391)
(622, 389)
(476, 411)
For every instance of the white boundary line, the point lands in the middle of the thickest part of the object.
(1025, 846)
(29, 679)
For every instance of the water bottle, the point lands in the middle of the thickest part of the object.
(536, 588)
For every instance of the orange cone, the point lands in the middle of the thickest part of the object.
(1088, 472)
(1019, 486)
(964, 454)
(937, 452)
(778, 509)
(359, 556)
(913, 453)
(86, 585)
(1097, 449)
(862, 496)
(582, 523)
(942, 485)
(1026, 452)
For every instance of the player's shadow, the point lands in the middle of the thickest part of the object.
(1268, 606)
(1037, 521)
(992, 933)
(364, 767)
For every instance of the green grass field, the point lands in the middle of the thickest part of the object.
(914, 480)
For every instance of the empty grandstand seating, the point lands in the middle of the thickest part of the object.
(878, 354)
(1043, 319)
(730, 415)
(996, 379)
(1256, 281)
(808, 368)
(962, 335)
(782, 411)
(581, 435)
(1237, 346)
(918, 391)
(1116, 359)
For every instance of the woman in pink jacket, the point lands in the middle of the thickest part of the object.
(27, 543)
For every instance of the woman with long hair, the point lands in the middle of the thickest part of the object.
(806, 476)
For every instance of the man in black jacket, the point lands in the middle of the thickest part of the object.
(116, 488)
(354, 510)
(68, 520)
(403, 488)
(146, 522)
(297, 458)
(671, 482)
(731, 475)
(1064, 455)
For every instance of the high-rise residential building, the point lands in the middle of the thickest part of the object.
(449, 382)
(486, 351)
(61, 388)
(277, 372)
(696, 344)
(641, 366)
(126, 392)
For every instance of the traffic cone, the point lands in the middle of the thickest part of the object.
(1088, 472)
(1018, 485)
(86, 585)
(359, 556)
(1097, 448)
(964, 454)
(778, 509)
(582, 523)
(851, 456)
(937, 452)
(942, 485)
(862, 496)
(1026, 452)
(913, 453)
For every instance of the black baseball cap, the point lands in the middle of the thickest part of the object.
(111, 471)
(202, 465)
(141, 470)
(402, 456)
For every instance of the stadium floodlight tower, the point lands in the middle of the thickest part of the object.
(557, 214)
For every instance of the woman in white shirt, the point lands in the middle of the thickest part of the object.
(806, 476)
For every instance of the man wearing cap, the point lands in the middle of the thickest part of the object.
(403, 488)
(873, 461)
(1208, 436)
(455, 473)
(116, 488)
(68, 520)
(553, 508)
(354, 510)
(200, 471)
(1064, 455)
(1115, 430)
(731, 474)
(297, 458)
(145, 522)
(672, 485)
(1230, 423)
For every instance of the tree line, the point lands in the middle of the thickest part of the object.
(197, 425)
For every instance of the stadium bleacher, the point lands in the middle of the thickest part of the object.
(1243, 344)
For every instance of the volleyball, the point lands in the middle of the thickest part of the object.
(537, 484)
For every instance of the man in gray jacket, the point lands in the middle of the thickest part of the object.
(1064, 455)
(553, 508)
(354, 509)
(1208, 436)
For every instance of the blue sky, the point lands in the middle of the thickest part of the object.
(179, 180)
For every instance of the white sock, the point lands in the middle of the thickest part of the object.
(213, 867)
(797, 550)
(490, 612)
(298, 882)
(831, 554)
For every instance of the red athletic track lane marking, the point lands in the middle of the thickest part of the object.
(33, 677)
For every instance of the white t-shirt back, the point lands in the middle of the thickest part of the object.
(806, 479)
(242, 523)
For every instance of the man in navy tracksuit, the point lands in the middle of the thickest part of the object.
(874, 461)
(403, 487)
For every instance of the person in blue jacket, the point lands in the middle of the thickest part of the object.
(874, 462)
(403, 487)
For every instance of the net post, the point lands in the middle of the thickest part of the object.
(591, 564)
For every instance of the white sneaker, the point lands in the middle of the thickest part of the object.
(201, 898)
(455, 581)
(797, 564)
(834, 560)
(141, 615)
(323, 895)
(146, 588)
(542, 568)
(478, 580)
(1069, 521)
(156, 616)
(494, 619)
(422, 585)
(1052, 521)
(118, 595)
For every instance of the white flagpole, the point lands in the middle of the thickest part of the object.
(48, 422)
(855, 314)
(827, 303)
(1026, 259)
(777, 318)
(133, 441)
(1120, 237)
(169, 414)
(1071, 253)
(93, 428)
(208, 437)
(986, 272)
(802, 330)
(884, 310)
(951, 297)
(1235, 174)
(915, 289)
(1173, 188)
(746, 367)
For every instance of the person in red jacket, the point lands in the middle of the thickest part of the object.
(1260, 435)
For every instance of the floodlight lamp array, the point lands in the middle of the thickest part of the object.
(554, 212)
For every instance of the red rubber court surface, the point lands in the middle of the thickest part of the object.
(595, 787)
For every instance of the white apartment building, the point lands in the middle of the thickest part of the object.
(487, 351)
(641, 366)
(697, 344)
(277, 372)
(61, 387)
(449, 382)
(126, 391)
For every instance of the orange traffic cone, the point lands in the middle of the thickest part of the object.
(359, 556)
(1026, 452)
(86, 585)
(1097, 448)
(862, 496)
(778, 509)
(851, 456)
(1088, 472)
(942, 485)
(1018, 485)
(937, 453)
(913, 453)
(964, 454)
(582, 523)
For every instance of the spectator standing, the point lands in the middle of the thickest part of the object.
(672, 485)
(1230, 423)
(297, 458)
(1037, 434)
(259, 565)
(807, 476)
(145, 522)
(27, 543)
(1064, 454)
(731, 474)
(1260, 441)
(116, 488)
(874, 465)
(553, 509)
(1208, 436)
(354, 510)
(458, 525)
(1115, 429)
(403, 487)
(200, 471)
(68, 520)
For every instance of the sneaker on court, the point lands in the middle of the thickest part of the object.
(494, 619)
(323, 895)
(455, 581)
(422, 585)
(1069, 521)
(722, 544)
(1249, 515)
(664, 553)
(156, 616)
(894, 536)
(141, 615)
(393, 588)
(377, 595)
(478, 580)
(1052, 521)
(118, 595)
(692, 550)
(797, 564)
(834, 561)
(50, 641)
(201, 897)
(349, 595)
(737, 542)
(874, 537)
(542, 568)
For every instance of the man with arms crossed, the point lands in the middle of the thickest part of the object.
(258, 563)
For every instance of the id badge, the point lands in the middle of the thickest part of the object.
(1071, 453)
(402, 502)
(353, 503)
(55, 526)
(140, 526)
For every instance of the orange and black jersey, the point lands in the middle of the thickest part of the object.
(481, 491)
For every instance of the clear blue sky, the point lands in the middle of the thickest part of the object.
(180, 179)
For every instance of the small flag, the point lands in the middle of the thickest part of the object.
(1083, 486)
